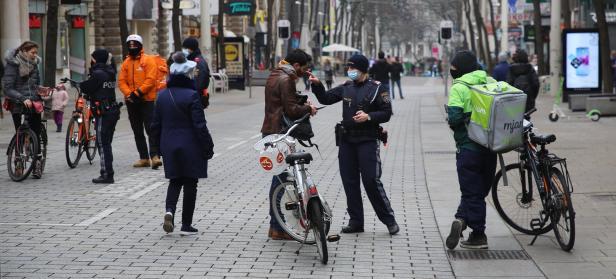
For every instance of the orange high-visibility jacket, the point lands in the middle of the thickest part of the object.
(138, 73)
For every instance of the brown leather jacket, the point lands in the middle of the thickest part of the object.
(281, 97)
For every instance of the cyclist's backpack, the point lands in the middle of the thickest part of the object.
(162, 71)
(497, 115)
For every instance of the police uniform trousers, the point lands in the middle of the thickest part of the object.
(475, 174)
(105, 127)
(362, 159)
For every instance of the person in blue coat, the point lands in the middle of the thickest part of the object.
(502, 68)
(186, 144)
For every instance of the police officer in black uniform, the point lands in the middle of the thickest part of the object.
(190, 48)
(100, 88)
(365, 104)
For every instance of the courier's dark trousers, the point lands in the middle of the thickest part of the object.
(475, 174)
(363, 160)
(140, 117)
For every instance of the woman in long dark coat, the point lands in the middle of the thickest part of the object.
(186, 144)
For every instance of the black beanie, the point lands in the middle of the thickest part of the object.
(359, 62)
(465, 62)
(191, 43)
(101, 56)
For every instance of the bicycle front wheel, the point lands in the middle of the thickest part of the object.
(318, 229)
(21, 155)
(287, 211)
(73, 145)
(518, 203)
(563, 216)
(90, 145)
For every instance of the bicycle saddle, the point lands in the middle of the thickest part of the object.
(299, 157)
(543, 139)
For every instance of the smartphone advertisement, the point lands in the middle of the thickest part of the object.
(581, 60)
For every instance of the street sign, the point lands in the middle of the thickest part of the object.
(446, 30)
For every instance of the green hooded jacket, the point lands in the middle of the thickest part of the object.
(459, 108)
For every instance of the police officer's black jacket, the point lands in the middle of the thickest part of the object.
(370, 96)
(202, 77)
(101, 83)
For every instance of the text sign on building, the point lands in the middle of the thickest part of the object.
(239, 7)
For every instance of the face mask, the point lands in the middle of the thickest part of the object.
(353, 75)
(134, 51)
(186, 52)
(455, 73)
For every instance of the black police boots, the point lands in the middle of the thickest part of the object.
(352, 229)
(103, 179)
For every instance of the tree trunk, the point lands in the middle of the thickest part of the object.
(270, 33)
(539, 38)
(175, 26)
(310, 20)
(483, 37)
(162, 31)
(123, 27)
(493, 23)
(566, 13)
(292, 16)
(51, 42)
(302, 10)
(604, 51)
(221, 35)
(471, 30)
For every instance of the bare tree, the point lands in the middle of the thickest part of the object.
(469, 21)
(606, 65)
(175, 25)
(221, 35)
(493, 24)
(123, 27)
(51, 42)
(270, 41)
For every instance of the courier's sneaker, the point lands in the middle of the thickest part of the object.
(455, 233)
(142, 163)
(475, 241)
(156, 162)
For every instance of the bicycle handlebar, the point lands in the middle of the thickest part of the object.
(72, 82)
(295, 124)
(528, 113)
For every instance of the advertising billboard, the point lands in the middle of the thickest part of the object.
(581, 60)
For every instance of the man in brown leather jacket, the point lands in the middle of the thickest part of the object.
(281, 96)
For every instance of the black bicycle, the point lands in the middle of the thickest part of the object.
(534, 195)
(25, 153)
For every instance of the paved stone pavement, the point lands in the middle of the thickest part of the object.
(63, 226)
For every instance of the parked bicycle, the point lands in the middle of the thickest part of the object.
(80, 135)
(534, 195)
(298, 207)
(27, 152)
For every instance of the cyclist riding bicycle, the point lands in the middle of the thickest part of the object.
(21, 84)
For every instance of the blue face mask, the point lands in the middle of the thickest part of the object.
(353, 74)
(186, 52)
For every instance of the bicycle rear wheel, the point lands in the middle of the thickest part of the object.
(291, 220)
(563, 216)
(73, 146)
(90, 145)
(518, 203)
(21, 154)
(318, 229)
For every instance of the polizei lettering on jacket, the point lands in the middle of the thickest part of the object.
(512, 126)
(109, 85)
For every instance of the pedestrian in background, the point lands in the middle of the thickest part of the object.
(396, 71)
(329, 74)
(137, 81)
(186, 144)
(59, 100)
(365, 105)
(1, 91)
(475, 164)
(502, 68)
(282, 98)
(100, 88)
(190, 48)
(380, 70)
(522, 76)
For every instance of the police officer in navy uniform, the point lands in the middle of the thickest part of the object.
(365, 104)
(190, 48)
(100, 88)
